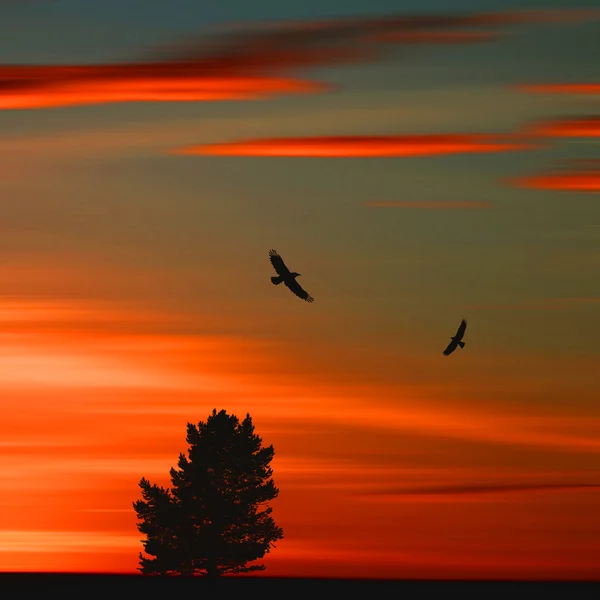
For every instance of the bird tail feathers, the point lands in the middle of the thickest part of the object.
(461, 344)
(276, 280)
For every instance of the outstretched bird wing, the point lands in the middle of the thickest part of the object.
(278, 263)
(451, 347)
(461, 329)
(295, 287)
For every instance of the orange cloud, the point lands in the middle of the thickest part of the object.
(430, 204)
(52, 86)
(574, 127)
(359, 146)
(571, 182)
(73, 344)
(561, 88)
(246, 64)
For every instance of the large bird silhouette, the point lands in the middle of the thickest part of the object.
(456, 340)
(284, 275)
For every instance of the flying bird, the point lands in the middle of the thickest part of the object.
(456, 340)
(284, 275)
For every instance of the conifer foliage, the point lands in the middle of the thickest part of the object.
(215, 519)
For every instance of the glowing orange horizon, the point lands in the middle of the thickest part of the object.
(79, 445)
(358, 146)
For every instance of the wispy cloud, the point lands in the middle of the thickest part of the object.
(574, 181)
(247, 63)
(588, 126)
(74, 344)
(481, 489)
(560, 88)
(361, 146)
(430, 204)
(302, 43)
(63, 541)
(28, 87)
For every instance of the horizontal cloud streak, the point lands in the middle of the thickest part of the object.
(568, 182)
(360, 146)
(53, 86)
(298, 43)
(75, 344)
(561, 88)
(246, 64)
(569, 127)
(476, 489)
(64, 541)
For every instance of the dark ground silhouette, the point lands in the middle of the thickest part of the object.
(19, 585)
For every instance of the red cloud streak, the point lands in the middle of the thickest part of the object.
(251, 63)
(575, 127)
(51, 86)
(571, 182)
(359, 146)
(561, 88)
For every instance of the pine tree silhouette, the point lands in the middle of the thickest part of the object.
(215, 518)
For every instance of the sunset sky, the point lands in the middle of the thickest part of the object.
(418, 165)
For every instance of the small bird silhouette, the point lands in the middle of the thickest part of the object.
(456, 339)
(284, 275)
